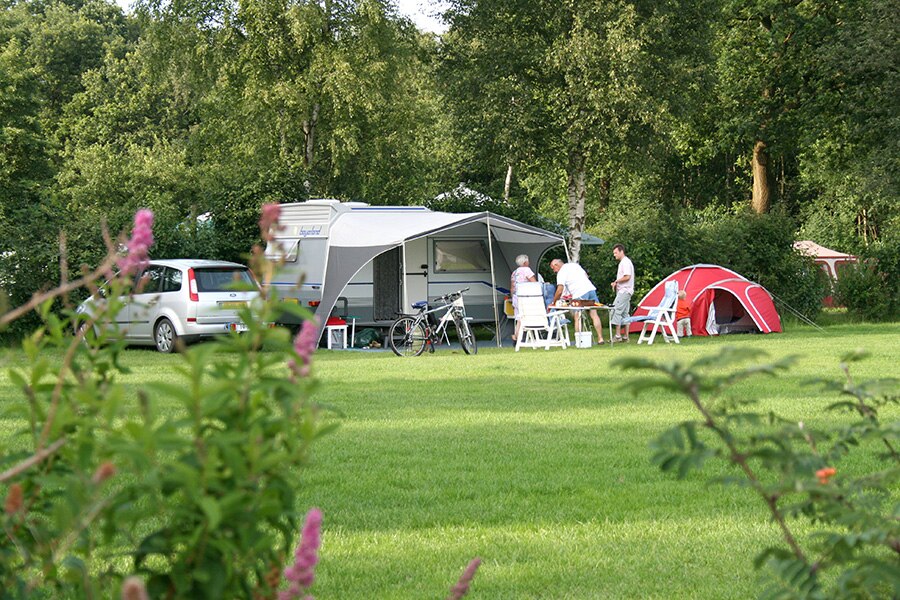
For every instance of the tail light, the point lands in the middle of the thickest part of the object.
(192, 286)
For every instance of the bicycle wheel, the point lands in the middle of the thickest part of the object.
(466, 337)
(407, 337)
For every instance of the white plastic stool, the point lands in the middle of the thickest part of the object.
(337, 334)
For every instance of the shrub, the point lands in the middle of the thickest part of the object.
(760, 247)
(871, 289)
(658, 242)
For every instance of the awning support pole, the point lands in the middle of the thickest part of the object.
(493, 284)
(403, 279)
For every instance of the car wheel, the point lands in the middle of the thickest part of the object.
(165, 336)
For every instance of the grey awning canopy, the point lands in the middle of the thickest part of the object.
(360, 234)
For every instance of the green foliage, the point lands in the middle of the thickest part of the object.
(850, 157)
(463, 199)
(871, 289)
(198, 500)
(852, 550)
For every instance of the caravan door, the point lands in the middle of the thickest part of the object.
(416, 271)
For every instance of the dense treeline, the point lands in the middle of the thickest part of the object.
(597, 115)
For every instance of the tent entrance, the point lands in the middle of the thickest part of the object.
(387, 277)
(730, 315)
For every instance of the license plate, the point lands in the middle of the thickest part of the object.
(232, 304)
(239, 327)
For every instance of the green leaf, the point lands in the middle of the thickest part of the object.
(155, 543)
(212, 511)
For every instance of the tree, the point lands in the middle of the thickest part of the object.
(28, 238)
(566, 89)
(850, 160)
(767, 54)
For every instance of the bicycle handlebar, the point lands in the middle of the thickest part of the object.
(452, 295)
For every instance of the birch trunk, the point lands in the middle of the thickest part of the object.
(309, 134)
(507, 183)
(761, 191)
(576, 194)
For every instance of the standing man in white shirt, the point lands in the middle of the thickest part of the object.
(572, 277)
(624, 288)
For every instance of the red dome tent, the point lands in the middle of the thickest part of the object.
(722, 301)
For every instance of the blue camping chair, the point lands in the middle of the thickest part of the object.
(662, 317)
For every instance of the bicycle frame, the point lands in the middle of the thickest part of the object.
(403, 333)
(435, 333)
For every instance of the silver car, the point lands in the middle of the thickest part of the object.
(183, 299)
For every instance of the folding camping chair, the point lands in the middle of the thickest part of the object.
(662, 317)
(537, 327)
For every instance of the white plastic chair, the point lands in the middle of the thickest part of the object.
(537, 327)
(662, 317)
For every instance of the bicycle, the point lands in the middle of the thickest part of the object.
(411, 334)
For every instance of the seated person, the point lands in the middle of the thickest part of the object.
(683, 315)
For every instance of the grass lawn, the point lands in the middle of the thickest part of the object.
(537, 462)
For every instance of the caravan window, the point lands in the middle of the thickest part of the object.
(461, 256)
(283, 249)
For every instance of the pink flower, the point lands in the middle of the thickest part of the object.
(462, 586)
(270, 214)
(139, 244)
(103, 472)
(133, 589)
(304, 345)
(302, 573)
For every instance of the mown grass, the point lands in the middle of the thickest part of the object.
(537, 462)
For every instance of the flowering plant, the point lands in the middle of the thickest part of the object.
(186, 490)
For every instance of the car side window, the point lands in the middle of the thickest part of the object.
(172, 280)
(150, 281)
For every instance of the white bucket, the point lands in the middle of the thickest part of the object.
(583, 339)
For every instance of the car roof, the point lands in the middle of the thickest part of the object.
(185, 263)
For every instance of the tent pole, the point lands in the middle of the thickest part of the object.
(403, 279)
(493, 284)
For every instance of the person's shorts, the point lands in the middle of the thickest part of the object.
(591, 295)
(621, 308)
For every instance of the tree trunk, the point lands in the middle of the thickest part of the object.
(309, 133)
(605, 184)
(576, 194)
(761, 192)
(507, 183)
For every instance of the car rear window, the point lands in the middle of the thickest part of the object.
(222, 279)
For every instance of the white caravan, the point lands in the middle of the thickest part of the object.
(373, 262)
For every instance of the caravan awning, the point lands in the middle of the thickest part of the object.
(362, 233)
(370, 227)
